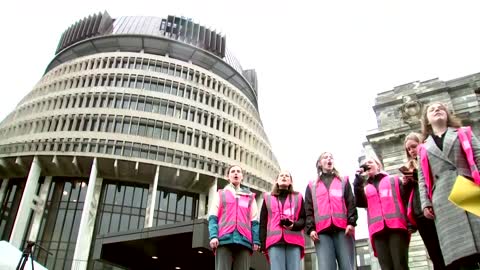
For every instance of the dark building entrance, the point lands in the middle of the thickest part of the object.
(180, 246)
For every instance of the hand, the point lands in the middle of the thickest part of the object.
(361, 175)
(256, 247)
(405, 170)
(350, 230)
(214, 243)
(428, 212)
(359, 171)
(288, 227)
(314, 236)
(407, 178)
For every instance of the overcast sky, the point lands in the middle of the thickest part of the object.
(320, 64)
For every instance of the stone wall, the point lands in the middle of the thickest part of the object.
(398, 112)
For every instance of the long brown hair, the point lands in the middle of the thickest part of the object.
(319, 167)
(276, 189)
(452, 120)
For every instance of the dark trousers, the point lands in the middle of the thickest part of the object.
(232, 257)
(471, 262)
(428, 232)
(392, 249)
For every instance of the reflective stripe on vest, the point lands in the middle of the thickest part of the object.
(385, 206)
(465, 138)
(291, 209)
(427, 174)
(410, 209)
(329, 205)
(235, 215)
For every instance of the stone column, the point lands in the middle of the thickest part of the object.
(209, 119)
(3, 189)
(38, 210)
(220, 146)
(259, 201)
(89, 213)
(212, 191)
(201, 206)
(207, 142)
(25, 208)
(215, 118)
(151, 201)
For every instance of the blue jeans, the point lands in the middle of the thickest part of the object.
(284, 257)
(335, 247)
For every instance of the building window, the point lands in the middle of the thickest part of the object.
(9, 206)
(60, 222)
(174, 206)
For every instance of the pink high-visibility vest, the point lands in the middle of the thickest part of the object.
(385, 207)
(410, 210)
(329, 205)
(234, 214)
(422, 152)
(465, 138)
(276, 211)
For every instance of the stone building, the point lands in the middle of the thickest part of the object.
(113, 155)
(398, 112)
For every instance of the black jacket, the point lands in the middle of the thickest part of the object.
(349, 204)
(412, 186)
(298, 225)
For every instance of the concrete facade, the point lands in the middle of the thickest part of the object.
(132, 127)
(398, 112)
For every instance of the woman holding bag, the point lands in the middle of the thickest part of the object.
(442, 159)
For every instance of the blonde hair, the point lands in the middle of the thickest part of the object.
(319, 167)
(379, 165)
(416, 137)
(376, 160)
(413, 136)
(452, 120)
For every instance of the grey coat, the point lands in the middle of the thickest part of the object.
(458, 231)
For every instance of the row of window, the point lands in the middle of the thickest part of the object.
(135, 126)
(150, 84)
(141, 103)
(123, 207)
(136, 150)
(133, 62)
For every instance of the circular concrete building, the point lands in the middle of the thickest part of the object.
(110, 160)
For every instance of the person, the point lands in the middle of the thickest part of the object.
(425, 226)
(233, 224)
(282, 220)
(442, 160)
(331, 216)
(385, 199)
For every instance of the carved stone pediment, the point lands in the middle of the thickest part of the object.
(411, 109)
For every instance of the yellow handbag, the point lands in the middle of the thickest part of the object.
(466, 194)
